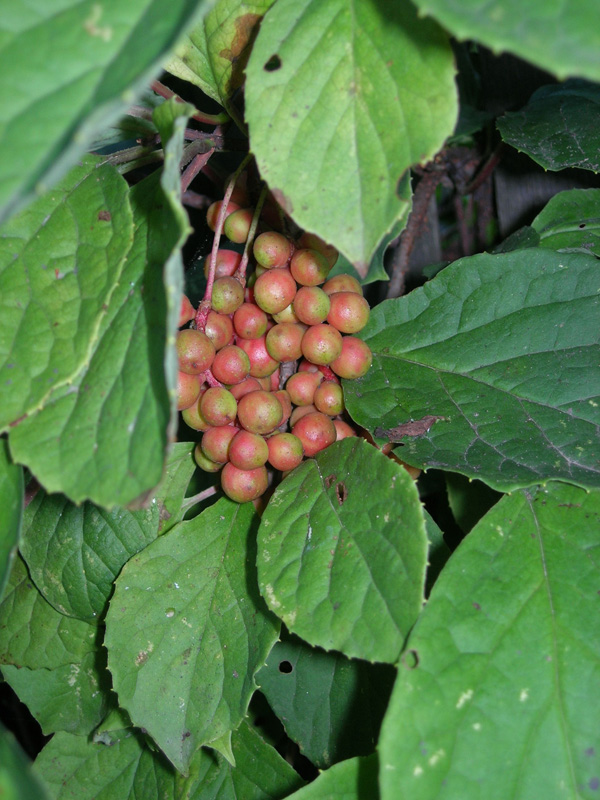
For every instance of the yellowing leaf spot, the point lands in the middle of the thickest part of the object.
(436, 757)
(417, 771)
(464, 698)
(524, 695)
(91, 24)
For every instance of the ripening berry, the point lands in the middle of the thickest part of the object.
(218, 406)
(237, 225)
(187, 311)
(309, 267)
(301, 387)
(301, 411)
(215, 442)
(262, 364)
(243, 485)
(227, 263)
(321, 344)
(195, 351)
(231, 365)
(219, 329)
(227, 295)
(285, 451)
(287, 315)
(274, 290)
(349, 312)
(213, 212)
(260, 412)
(272, 249)
(342, 283)
(286, 404)
(245, 387)
(354, 360)
(284, 341)
(248, 450)
(311, 305)
(250, 321)
(316, 431)
(205, 463)
(188, 389)
(193, 417)
(329, 398)
(343, 429)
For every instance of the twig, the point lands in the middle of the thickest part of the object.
(198, 498)
(193, 168)
(240, 272)
(195, 200)
(206, 119)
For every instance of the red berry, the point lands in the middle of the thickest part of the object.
(219, 329)
(213, 211)
(218, 406)
(205, 463)
(321, 344)
(245, 387)
(215, 442)
(243, 485)
(285, 451)
(354, 360)
(343, 430)
(192, 416)
(314, 242)
(342, 283)
(274, 290)
(272, 249)
(188, 390)
(227, 263)
(250, 321)
(227, 295)
(260, 412)
(329, 398)
(195, 351)
(262, 364)
(311, 305)
(284, 341)
(349, 312)
(237, 225)
(316, 431)
(231, 365)
(309, 267)
(187, 311)
(248, 450)
(301, 387)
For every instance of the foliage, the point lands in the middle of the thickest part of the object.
(432, 637)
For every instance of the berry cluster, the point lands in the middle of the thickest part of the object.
(260, 369)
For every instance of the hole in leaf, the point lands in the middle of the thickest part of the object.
(273, 64)
(285, 667)
(341, 493)
(582, 224)
(410, 659)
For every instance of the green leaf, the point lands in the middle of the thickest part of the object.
(77, 66)
(354, 779)
(170, 494)
(74, 553)
(498, 693)
(558, 37)
(214, 54)
(342, 552)
(71, 766)
(127, 770)
(33, 634)
(17, 781)
(260, 772)
(570, 222)
(101, 429)
(558, 128)
(341, 99)
(12, 491)
(493, 367)
(187, 630)
(376, 270)
(331, 706)
(70, 698)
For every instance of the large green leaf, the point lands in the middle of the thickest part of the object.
(341, 99)
(17, 781)
(71, 697)
(490, 370)
(127, 770)
(561, 36)
(33, 634)
(170, 494)
(74, 553)
(99, 427)
(74, 66)
(342, 552)
(12, 491)
(187, 630)
(498, 694)
(331, 706)
(213, 55)
(558, 128)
